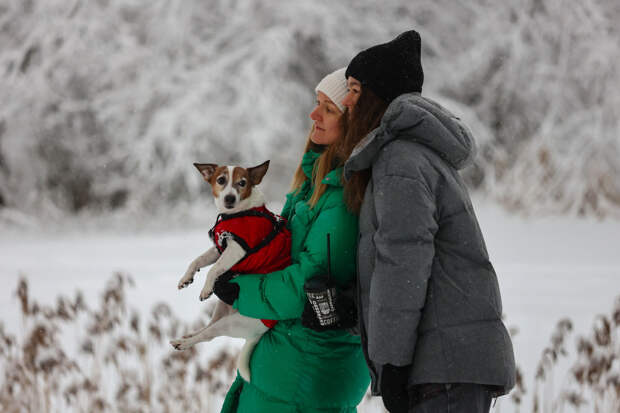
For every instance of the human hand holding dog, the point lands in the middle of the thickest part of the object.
(226, 291)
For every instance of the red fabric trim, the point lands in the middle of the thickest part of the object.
(270, 323)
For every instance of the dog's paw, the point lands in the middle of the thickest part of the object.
(183, 284)
(180, 344)
(205, 293)
(187, 279)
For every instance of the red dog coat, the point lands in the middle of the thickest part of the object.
(264, 237)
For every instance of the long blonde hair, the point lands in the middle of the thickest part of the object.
(327, 161)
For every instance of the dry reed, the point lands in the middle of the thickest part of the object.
(119, 361)
(120, 364)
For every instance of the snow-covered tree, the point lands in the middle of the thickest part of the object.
(107, 103)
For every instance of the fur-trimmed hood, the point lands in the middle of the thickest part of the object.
(414, 117)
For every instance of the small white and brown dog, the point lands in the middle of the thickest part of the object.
(248, 238)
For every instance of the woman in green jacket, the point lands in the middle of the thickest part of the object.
(294, 368)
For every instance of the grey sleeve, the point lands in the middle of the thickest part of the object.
(404, 243)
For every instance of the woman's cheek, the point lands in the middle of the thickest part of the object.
(332, 136)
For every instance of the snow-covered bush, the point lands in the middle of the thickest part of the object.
(106, 103)
(544, 82)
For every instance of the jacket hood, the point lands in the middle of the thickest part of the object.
(419, 119)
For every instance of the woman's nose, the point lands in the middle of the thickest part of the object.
(314, 115)
(346, 101)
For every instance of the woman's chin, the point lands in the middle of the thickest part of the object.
(317, 139)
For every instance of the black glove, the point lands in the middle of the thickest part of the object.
(394, 386)
(225, 290)
(346, 307)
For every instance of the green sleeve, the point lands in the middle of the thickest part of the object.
(280, 295)
(286, 209)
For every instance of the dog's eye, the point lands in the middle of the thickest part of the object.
(241, 183)
(221, 180)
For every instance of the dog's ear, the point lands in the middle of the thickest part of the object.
(206, 170)
(257, 172)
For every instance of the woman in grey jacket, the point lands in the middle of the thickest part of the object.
(429, 302)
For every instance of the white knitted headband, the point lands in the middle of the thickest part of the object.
(334, 85)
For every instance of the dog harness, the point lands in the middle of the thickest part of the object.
(264, 237)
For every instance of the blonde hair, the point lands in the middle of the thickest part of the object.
(327, 161)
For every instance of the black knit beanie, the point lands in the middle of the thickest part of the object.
(390, 69)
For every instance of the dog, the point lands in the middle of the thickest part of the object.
(248, 238)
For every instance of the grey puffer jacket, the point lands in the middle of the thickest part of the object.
(428, 294)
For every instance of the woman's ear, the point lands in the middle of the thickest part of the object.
(257, 172)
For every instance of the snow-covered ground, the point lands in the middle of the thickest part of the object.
(548, 268)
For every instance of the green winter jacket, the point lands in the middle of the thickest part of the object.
(295, 369)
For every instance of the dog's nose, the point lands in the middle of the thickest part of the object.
(229, 199)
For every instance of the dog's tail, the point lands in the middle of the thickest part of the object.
(243, 363)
